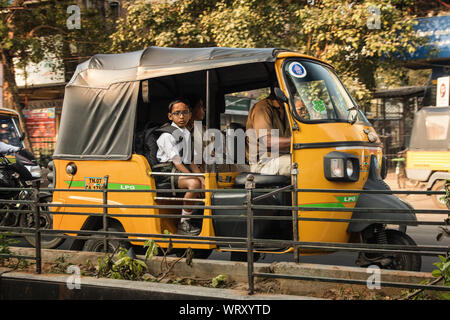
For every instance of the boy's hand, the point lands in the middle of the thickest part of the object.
(181, 167)
(202, 180)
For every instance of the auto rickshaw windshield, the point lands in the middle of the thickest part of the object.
(317, 94)
(9, 131)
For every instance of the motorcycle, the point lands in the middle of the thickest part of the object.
(24, 173)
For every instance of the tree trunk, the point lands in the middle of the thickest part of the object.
(11, 93)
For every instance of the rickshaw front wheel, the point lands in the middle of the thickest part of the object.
(394, 260)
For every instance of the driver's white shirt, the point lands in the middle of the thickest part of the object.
(7, 148)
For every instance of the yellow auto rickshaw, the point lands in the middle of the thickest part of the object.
(111, 97)
(428, 154)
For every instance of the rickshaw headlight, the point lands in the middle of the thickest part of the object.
(337, 168)
(349, 168)
(341, 166)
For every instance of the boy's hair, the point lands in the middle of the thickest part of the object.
(178, 100)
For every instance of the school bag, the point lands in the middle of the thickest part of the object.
(145, 141)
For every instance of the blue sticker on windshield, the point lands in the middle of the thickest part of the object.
(297, 70)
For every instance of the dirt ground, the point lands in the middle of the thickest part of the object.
(262, 286)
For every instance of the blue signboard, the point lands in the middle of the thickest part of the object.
(437, 29)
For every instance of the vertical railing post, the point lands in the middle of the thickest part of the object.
(37, 225)
(294, 173)
(105, 212)
(249, 186)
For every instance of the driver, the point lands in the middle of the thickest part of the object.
(7, 148)
(266, 115)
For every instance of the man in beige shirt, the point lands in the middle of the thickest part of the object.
(269, 121)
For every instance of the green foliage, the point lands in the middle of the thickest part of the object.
(443, 270)
(60, 266)
(219, 280)
(163, 23)
(343, 34)
(5, 243)
(125, 268)
(336, 31)
(41, 29)
(152, 249)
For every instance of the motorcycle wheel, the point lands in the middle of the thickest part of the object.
(46, 222)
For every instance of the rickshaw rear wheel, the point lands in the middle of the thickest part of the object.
(393, 261)
(97, 244)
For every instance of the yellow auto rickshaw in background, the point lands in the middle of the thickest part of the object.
(10, 132)
(428, 155)
(110, 99)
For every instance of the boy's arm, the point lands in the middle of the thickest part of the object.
(179, 165)
(195, 168)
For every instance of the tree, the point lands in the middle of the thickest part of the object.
(162, 23)
(358, 38)
(200, 23)
(30, 31)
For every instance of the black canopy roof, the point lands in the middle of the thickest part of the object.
(101, 99)
(102, 70)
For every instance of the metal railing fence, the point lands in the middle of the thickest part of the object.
(250, 244)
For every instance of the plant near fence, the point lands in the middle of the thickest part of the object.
(5, 243)
(128, 267)
(442, 273)
(443, 267)
(125, 268)
(5, 260)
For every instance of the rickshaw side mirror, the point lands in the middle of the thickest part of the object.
(353, 115)
(280, 95)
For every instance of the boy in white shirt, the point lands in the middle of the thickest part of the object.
(176, 154)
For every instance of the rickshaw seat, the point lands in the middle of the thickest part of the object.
(262, 180)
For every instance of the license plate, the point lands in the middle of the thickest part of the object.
(94, 183)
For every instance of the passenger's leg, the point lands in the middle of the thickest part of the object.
(190, 183)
